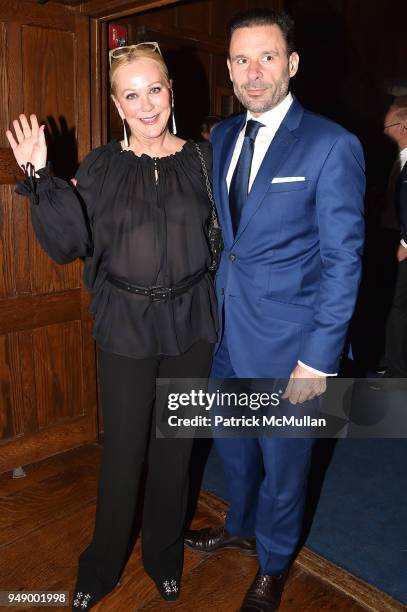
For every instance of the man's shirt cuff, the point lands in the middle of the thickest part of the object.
(404, 243)
(314, 371)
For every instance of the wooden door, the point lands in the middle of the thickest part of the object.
(47, 360)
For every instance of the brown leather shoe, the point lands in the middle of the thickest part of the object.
(264, 594)
(212, 539)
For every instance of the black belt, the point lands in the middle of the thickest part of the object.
(157, 293)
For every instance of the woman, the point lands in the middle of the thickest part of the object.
(139, 217)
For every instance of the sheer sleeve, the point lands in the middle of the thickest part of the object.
(61, 215)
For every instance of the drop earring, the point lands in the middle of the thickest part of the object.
(125, 138)
(174, 126)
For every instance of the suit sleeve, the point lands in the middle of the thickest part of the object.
(339, 213)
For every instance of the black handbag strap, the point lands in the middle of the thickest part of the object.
(208, 186)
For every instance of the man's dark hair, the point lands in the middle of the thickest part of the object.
(260, 17)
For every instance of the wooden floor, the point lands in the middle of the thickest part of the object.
(46, 520)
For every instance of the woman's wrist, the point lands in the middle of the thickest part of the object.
(33, 170)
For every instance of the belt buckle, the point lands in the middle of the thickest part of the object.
(160, 293)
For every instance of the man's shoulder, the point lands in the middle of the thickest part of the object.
(319, 124)
(224, 126)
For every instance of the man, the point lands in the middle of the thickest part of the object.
(289, 187)
(395, 127)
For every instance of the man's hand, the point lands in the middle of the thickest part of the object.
(401, 253)
(304, 385)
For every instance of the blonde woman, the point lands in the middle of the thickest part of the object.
(139, 216)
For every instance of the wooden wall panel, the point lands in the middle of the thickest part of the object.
(11, 399)
(164, 17)
(105, 10)
(58, 368)
(25, 267)
(14, 76)
(2, 253)
(8, 282)
(47, 357)
(222, 12)
(196, 16)
(52, 93)
(50, 55)
(82, 87)
(22, 233)
(3, 85)
(23, 11)
(30, 312)
(54, 84)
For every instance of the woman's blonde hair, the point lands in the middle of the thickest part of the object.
(131, 55)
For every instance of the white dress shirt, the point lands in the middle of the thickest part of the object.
(403, 160)
(272, 120)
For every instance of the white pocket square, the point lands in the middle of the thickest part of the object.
(287, 179)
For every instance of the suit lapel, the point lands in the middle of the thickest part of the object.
(277, 153)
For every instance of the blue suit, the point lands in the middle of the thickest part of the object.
(286, 288)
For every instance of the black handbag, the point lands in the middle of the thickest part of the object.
(215, 231)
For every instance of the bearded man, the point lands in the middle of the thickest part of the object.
(289, 187)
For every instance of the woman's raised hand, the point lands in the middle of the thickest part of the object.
(28, 144)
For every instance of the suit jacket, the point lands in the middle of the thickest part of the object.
(401, 201)
(288, 281)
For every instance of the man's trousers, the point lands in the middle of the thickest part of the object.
(267, 479)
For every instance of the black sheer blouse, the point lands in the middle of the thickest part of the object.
(144, 220)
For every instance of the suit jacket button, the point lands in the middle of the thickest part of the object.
(232, 257)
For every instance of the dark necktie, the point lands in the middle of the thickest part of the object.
(239, 186)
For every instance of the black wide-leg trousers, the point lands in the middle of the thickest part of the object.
(396, 330)
(130, 447)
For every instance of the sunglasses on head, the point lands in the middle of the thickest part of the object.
(121, 51)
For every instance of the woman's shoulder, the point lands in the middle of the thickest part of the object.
(99, 158)
(103, 151)
(198, 150)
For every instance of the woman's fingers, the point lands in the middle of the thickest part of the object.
(11, 139)
(41, 136)
(26, 126)
(34, 125)
(18, 131)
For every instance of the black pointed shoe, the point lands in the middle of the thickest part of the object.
(212, 539)
(264, 594)
(82, 601)
(85, 598)
(169, 588)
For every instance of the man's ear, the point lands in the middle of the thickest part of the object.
(229, 65)
(293, 62)
(119, 108)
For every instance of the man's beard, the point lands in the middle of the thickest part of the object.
(271, 99)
